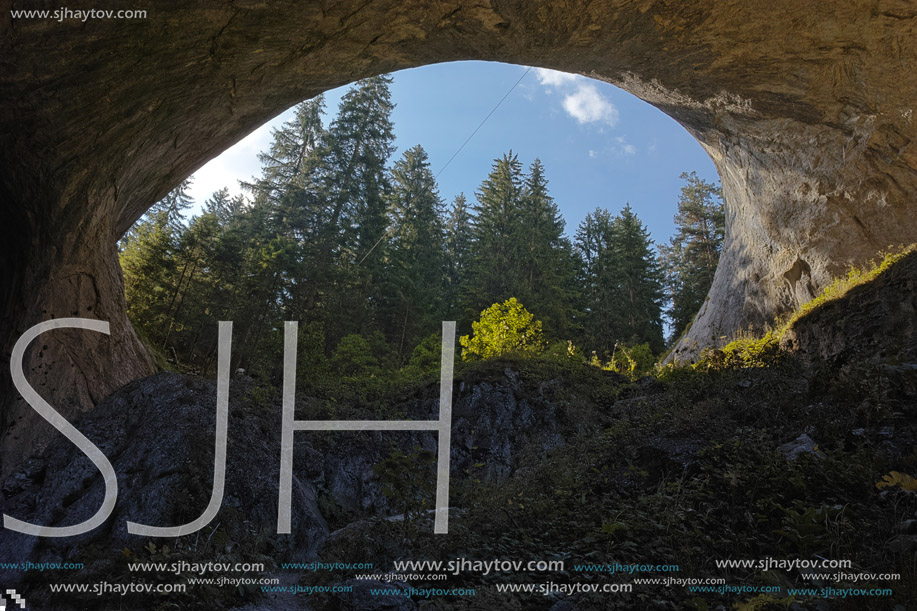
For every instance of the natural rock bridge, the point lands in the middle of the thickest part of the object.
(805, 108)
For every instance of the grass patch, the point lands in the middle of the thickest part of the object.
(750, 350)
(855, 276)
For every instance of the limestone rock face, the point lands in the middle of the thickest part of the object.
(158, 433)
(805, 108)
(874, 324)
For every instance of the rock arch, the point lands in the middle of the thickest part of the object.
(805, 108)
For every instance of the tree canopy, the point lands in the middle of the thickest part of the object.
(361, 249)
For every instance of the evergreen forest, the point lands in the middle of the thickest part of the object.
(359, 247)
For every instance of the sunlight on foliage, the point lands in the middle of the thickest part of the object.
(855, 276)
(746, 352)
(751, 351)
(506, 328)
(631, 361)
(564, 350)
(896, 478)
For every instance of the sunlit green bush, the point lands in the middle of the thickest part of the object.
(504, 328)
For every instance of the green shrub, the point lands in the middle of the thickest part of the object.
(506, 328)
(407, 482)
(426, 356)
(311, 362)
(745, 352)
(564, 351)
(632, 361)
(353, 357)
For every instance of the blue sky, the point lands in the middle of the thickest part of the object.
(601, 147)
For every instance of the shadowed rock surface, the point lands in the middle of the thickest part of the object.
(875, 323)
(806, 110)
(523, 425)
(158, 435)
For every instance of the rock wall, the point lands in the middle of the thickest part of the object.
(805, 108)
(874, 324)
(158, 434)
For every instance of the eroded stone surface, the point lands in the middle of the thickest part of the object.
(805, 108)
(158, 433)
(873, 324)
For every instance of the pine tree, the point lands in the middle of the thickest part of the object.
(360, 141)
(597, 314)
(414, 278)
(591, 239)
(147, 259)
(543, 255)
(620, 282)
(173, 205)
(693, 252)
(222, 275)
(638, 282)
(494, 274)
(269, 256)
(220, 205)
(167, 212)
(458, 254)
(192, 258)
(293, 269)
(291, 161)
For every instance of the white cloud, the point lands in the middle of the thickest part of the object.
(623, 148)
(587, 105)
(553, 78)
(582, 99)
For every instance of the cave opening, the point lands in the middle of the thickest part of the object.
(812, 137)
(599, 150)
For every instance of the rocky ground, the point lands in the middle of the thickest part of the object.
(775, 454)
